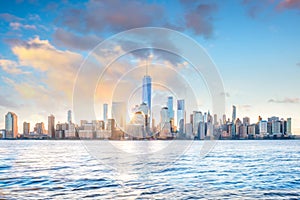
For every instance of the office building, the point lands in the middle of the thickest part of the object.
(40, 128)
(197, 118)
(119, 113)
(147, 87)
(233, 114)
(69, 116)
(26, 128)
(289, 126)
(246, 120)
(181, 116)
(51, 124)
(11, 125)
(263, 128)
(105, 112)
(170, 107)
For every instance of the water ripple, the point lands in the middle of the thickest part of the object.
(233, 170)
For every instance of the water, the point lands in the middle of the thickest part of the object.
(232, 170)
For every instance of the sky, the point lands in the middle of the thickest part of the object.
(255, 46)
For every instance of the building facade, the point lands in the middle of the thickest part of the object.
(11, 125)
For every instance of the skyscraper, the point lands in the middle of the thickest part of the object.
(180, 111)
(181, 115)
(233, 133)
(233, 114)
(51, 122)
(246, 121)
(11, 125)
(105, 110)
(147, 91)
(69, 116)
(170, 107)
(26, 128)
(289, 126)
(197, 118)
(118, 112)
(165, 126)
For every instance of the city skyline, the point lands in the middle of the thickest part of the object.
(43, 45)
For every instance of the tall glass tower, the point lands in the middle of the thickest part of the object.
(147, 91)
(105, 111)
(170, 107)
(69, 116)
(11, 125)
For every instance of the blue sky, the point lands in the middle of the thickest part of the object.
(255, 45)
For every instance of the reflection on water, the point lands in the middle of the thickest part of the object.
(68, 169)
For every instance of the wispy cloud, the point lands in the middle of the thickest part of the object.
(59, 66)
(11, 67)
(6, 103)
(289, 4)
(286, 100)
(18, 26)
(9, 17)
(245, 107)
(68, 39)
(258, 7)
(119, 15)
(200, 19)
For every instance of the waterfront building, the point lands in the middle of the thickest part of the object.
(136, 127)
(69, 116)
(233, 114)
(40, 128)
(270, 119)
(263, 128)
(165, 126)
(71, 132)
(197, 118)
(119, 112)
(51, 124)
(246, 120)
(11, 125)
(289, 126)
(26, 128)
(224, 119)
(216, 120)
(251, 130)
(201, 130)
(181, 115)
(105, 112)
(2, 133)
(170, 107)
(147, 90)
(189, 131)
(276, 127)
(238, 123)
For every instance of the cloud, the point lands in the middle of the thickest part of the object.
(286, 100)
(289, 4)
(298, 64)
(6, 103)
(11, 67)
(9, 17)
(18, 26)
(258, 7)
(114, 16)
(67, 39)
(245, 107)
(59, 67)
(200, 19)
